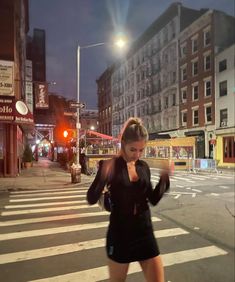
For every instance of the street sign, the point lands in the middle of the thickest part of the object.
(77, 105)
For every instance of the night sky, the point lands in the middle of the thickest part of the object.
(71, 22)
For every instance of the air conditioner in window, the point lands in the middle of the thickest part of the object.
(223, 123)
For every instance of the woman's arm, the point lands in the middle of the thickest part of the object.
(97, 186)
(155, 195)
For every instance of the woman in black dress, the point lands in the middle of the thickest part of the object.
(130, 233)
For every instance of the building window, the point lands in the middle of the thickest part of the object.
(166, 102)
(222, 65)
(207, 37)
(184, 118)
(195, 117)
(223, 91)
(223, 117)
(184, 95)
(195, 92)
(208, 114)
(229, 149)
(195, 68)
(207, 62)
(183, 73)
(183, 50)
(207, 88)
(194, 45)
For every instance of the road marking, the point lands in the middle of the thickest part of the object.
(56, 230)
(75, 247)
(214, 194)
(46, 198)
(42, 210)
(224, 187)
(45, 204)
(49, 194)
(180, 186)
(46, 190)
(181, 193)
(52, 218)
(101, 273)
(189, 188)
(196, 190)
(185, 179)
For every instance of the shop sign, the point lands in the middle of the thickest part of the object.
(6, 78)
(12, 110)
(41, 96)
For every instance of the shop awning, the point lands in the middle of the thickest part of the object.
(15, 111)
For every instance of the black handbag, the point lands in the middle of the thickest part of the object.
(104, 201)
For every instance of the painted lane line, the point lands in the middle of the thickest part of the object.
(56, 230)
(180, 186)
(214, 194)
(75, 247)
(46, 198)
(52, 218)
(42, 210)
(184, 179)
(46, 191)
(189, 188)
(196, 190)
(45, 204)
(48, 194)
(224, 187)
(101, 273)
(177, 196)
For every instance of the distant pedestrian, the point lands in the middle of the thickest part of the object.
(130, 234)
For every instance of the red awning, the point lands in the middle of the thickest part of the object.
(101, 135)
(15, 111)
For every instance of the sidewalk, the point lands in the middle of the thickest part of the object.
(44, 174)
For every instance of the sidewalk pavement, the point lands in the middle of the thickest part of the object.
(43, 174)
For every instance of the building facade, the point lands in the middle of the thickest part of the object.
(225, 101)
(145, 83)
(15, 117)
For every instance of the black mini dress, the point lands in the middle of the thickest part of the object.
(130, 234)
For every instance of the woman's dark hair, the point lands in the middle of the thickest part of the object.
(133, 131)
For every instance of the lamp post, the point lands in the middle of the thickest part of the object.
(120, 43)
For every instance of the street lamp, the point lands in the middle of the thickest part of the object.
(120, 43)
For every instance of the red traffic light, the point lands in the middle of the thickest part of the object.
(65, 133)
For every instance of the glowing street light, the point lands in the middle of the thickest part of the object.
(120, 43)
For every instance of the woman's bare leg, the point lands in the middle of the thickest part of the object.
(153, 269)
(117, 271)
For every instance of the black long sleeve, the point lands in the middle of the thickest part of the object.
(97, 186)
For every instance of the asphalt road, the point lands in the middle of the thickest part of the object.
(52, 235)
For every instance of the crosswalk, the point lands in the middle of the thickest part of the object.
(61, 238)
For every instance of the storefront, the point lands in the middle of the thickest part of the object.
(15, 122)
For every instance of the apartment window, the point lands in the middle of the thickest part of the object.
(223, 117)
(184, 118)
(183, 73)
(195, 68)
(207, 62)
(195, 117)
(173, 100)
(223, 90)
(166, 102)
(207, 37)
(222, 65)
(194, 45)
(207, 88)
(184, 95)
(183, 50)
(195, 92)
(208, 114)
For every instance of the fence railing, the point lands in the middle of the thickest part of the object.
(204, 165)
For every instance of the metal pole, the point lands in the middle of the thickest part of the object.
(78, 99)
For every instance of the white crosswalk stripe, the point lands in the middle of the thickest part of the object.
(23, 204)
(101, 273)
